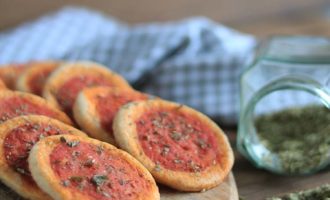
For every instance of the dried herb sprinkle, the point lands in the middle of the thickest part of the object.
(299, 136)
(319, 193)
(72, 143)
(98, 180)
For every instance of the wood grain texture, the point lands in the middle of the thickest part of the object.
(225, 191)
(258, 184)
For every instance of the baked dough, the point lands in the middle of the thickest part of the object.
(14, 103)
(181, 147)
(3, 85)
(10, 72)
(88, 170)
(17, 137)
(95, 108)
(64, 84)
(33, 78)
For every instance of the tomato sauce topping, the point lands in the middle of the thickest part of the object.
(68, 92)
(37, 81)
(177, 141)
(107, 105)
(17, 106)
(19, 142)
(97, 172)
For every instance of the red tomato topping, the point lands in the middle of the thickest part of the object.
(107, 106)
(16, 106)
(96, 172)
(177, 141)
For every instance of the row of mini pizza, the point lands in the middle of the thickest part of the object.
(76, 130)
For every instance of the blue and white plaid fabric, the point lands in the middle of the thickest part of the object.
(195, 61)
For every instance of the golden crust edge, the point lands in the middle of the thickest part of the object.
(86, 116)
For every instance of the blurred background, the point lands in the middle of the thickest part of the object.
(257, 17)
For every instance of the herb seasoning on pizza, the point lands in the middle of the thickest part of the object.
(181, 147)
(73, 168)
(13, 104)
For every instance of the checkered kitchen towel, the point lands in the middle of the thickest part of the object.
(195, 61)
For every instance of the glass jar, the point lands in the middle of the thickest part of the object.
(284, 123)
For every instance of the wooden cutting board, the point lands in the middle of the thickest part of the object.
(225, 191)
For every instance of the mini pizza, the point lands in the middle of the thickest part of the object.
(13, 104)
(71, 168)
(64, 84)
(33, 78)
(96, 107)
(181, 147)
(10, 72)
(17, 137)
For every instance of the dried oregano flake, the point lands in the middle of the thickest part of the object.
(299, 136)
(319, 193)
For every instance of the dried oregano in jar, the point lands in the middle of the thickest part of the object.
(300, 137)
(284, 105)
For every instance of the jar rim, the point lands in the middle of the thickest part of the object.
(296, 49)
